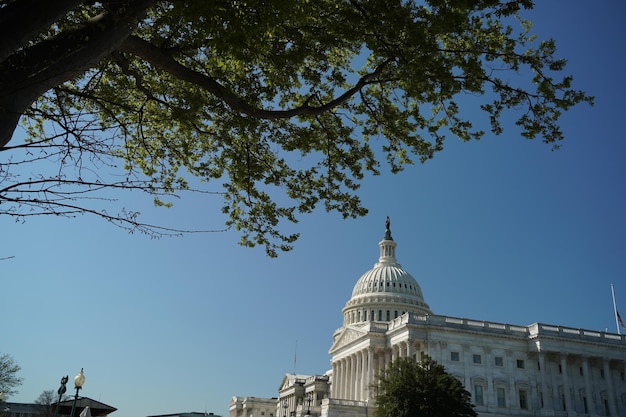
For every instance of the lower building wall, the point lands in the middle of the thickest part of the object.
(346, 408)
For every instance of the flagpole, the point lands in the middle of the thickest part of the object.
(615, 310)
(295, 357)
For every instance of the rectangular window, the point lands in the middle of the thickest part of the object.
(521, 364)
(478, 394)
(499, 361)
(501, 396)
(454, 356)
(523, 399)
(601, 373)
(477, 359)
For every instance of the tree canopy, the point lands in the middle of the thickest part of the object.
(280, 106)
(408, 388)
(8, 376)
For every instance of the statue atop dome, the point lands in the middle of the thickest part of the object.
(388, 229)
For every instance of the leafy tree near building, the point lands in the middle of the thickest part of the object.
(408, 388)
(8, 376)
(280, 106)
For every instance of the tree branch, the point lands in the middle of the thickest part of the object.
(19, 24)
(27, 74)
(164, 61)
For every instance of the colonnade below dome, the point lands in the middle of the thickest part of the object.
(366, 315)
(354, 374)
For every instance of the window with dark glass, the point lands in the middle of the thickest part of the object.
(501, 397)
(523, 399)
(478, 394)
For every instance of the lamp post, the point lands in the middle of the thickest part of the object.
(79, 380)
(60, 391)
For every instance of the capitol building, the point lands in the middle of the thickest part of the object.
(510, 370)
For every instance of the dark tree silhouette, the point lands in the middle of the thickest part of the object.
(408, 388)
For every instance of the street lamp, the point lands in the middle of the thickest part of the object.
(60, 391)
(79, 380)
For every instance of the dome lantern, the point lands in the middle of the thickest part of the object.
(386, 290)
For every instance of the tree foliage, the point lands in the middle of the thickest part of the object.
(408, 388)
(8, 375)
(46, 400)
(282, 106)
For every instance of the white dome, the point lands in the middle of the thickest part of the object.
(385, 291)
(385, 278)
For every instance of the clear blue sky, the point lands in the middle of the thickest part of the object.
(502, 230)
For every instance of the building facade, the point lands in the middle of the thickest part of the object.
(510, 370)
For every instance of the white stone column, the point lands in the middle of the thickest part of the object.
(566, 389)
(381, 360)
(467, 360)
(610, 387)
(350, 393)
(512, 397)
(337, 380)
(370, 371)
(409, 350)
(364, 374)
(440, 352)
(591, 406)
(545, 394)
(489, 394)
(356, 383)
(344, 378)
(334, 387)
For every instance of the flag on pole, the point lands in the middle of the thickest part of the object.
(618, 319)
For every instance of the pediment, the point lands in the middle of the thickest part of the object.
(346, 337)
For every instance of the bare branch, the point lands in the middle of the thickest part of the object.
(164, 61)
